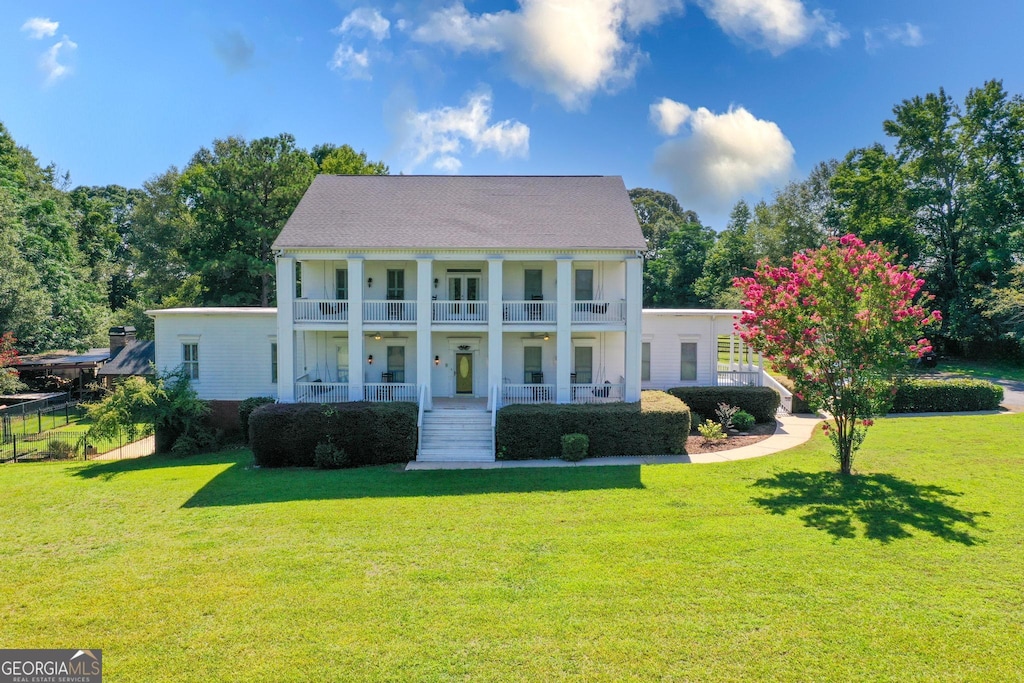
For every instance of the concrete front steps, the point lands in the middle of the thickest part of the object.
(456, 436)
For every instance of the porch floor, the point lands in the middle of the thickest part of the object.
(460, 403)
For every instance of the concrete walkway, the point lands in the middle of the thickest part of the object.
(790, 430)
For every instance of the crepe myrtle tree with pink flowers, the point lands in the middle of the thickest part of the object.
(842, 322)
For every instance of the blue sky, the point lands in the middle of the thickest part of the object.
(711, 100)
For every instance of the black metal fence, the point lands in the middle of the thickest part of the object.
(65, 446)
(35, 417)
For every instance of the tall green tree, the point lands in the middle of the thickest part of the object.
(799, 216)
(731, 256)
(240, 195)
(345, 160)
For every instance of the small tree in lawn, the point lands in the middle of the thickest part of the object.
(841, 322)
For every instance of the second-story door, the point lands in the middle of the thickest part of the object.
(464, 287)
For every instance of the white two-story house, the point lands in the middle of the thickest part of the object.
(453, 290)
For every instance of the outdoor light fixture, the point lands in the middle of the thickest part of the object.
(376, 337)
(437, 360)
(435, 283)
(546, 336)
(369, 359)
(369, 282)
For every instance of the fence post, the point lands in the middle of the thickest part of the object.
(14, 445)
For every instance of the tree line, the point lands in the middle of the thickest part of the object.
(948, 198)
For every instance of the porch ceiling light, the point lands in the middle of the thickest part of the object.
(547, 336)
(376, 337)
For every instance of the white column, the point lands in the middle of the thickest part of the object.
(356, 350)
(634, 323)
(563, 329)
(285, 329)
(495, 340)
(424, 316)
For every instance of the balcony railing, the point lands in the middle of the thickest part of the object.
(514, 312)
(389, 391)
(527, 393)
(599, 311)
(321, 392)
(321, 311)
(389, 311)
(738, 376)
(460, 311)
(597, 393)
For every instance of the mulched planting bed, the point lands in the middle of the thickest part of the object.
(759, 432)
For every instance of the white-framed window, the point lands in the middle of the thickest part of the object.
(533, 284)
(396, 285)
(396, 363)
(273, 362)
(533, 364)
(584, 284)
(688, 361)
(343, 362)
(190, 359)
(341, 284)
(645, 362)
(298, 279)
(583, 364)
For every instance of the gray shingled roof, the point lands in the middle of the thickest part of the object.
(134, 358)
(474, 212)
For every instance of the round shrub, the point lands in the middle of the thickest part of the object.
(743, 421)
(575, 447)
(761, 402)
(245, 409)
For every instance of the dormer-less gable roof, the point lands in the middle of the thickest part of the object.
(463, 212)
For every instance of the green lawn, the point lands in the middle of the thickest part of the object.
(204, 569)
(990, 370)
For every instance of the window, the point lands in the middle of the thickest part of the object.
(190, 359)
(688, 361)
(341, 284)
(396, 285)
(645, 362)
(584, 357)
(584, 285)
(533, 288)
(343, 362)
(396, 362)
(532, 364)
(298, 280)
(273, 362)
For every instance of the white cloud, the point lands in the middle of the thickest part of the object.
(907, 34)
(350, 63)
(668, 115)
(365, 20)
(50, 61)
(440, 134)
(569, 49)
(775, 25)
(724, 157)
(38, 27)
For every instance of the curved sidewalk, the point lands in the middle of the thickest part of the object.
(790, 430)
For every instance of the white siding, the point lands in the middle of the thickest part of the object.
(234, 350)
(666, 330)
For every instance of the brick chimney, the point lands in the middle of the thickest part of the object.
(120, 336)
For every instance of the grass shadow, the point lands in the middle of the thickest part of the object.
(885, 507)
(242, 485)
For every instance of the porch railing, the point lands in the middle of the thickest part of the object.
(738, 376)
(527, 393)
(320, 311)
(460, 311)
(598, 311)
(597, 393)
(389, 311)
(321, 392)
(529, 311)
(389, 391)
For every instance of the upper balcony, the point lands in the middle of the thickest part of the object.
(513, 313)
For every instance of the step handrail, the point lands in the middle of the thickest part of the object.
(419, 419)
(495, 399)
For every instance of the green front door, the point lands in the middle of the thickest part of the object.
(464, 373)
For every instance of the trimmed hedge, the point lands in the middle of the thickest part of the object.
(245, 409)
(800, 406)
(659, 424)
(761, 402)
(286, 434)
(946, 396)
